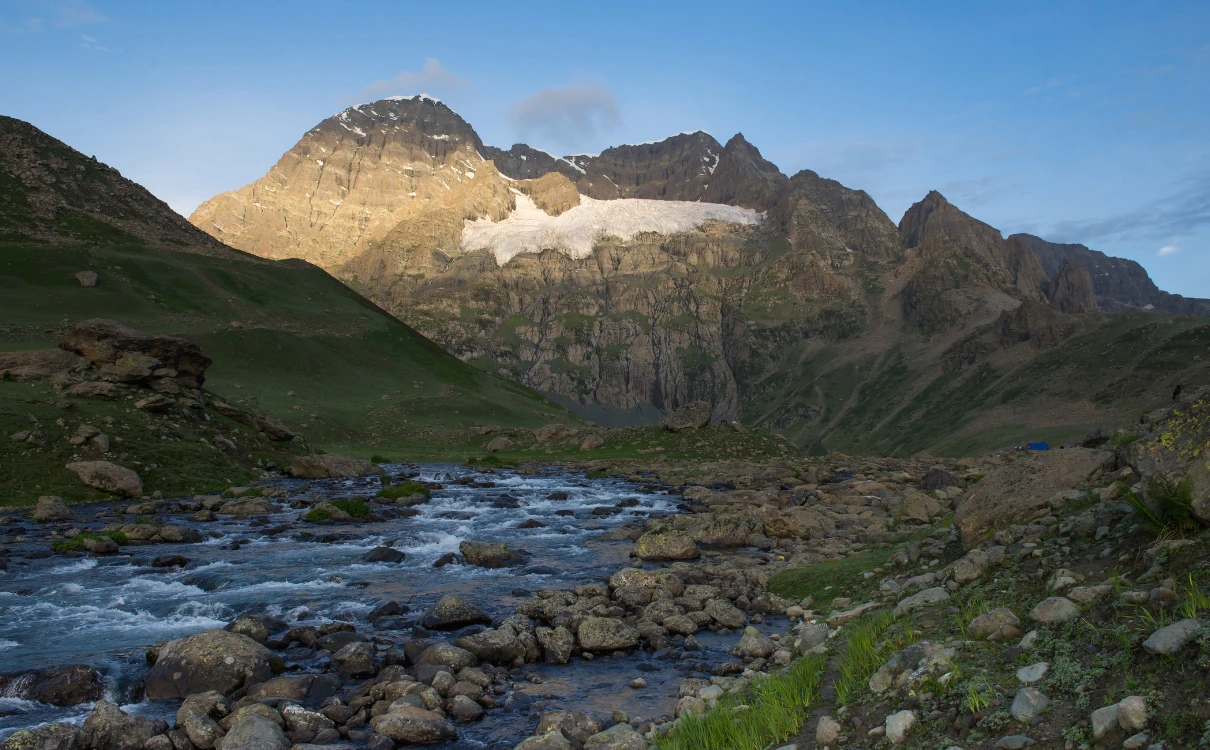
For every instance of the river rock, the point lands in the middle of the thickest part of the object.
(827, 731)
(691, 416)
(463, 708)
(50, 508)
(58, 686)
(754, 645)
(414, 726)
(1020, 492)
(452, 612)
(1054, 609)
(210, 660)
(617, 737)
(354, 660)
(110, 728)
(255, 732)
(1168, 640)
(725, 613)
(46, 737)
(490, 554)
(330, 465)
(576, 725)
(307, 689)
(606, 634)
(384, 555)
(666, 545)
(446, 655)
(493, 646)
(557, 644)
(108, 477)
(552, 740)
(302, 720)
(1033, 673)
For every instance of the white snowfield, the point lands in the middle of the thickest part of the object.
(574, 232)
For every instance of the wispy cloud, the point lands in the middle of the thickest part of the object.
(92, 44)
(71, 14)
(432, 76)
(1168, 250)
(1175, 215)
(28, 26)
(979, 191)
(568, 116)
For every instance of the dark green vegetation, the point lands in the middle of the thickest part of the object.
(404, 489)
(1166, 509)
(286, 338)
(77, 541)
(772, 709)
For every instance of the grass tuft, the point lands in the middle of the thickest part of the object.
(1167, 509)
(407, 489)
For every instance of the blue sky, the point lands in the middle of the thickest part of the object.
(1079, 121)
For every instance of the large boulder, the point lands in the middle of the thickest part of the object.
(58, 686)
(50, 508)
(1021, 491)
(274, 429)
(446, 655)
(575, 725)
(606, 634)
(45, 737)
(108, 477)
(330, 465)
(104, 342)
(255, 732)
(617, 737)
(490, 554)
(1176, 448)
(452, 612)
(494, 646)
(110, 728)
(211, 660)
(414, 726)
(688, 417)
(666, 545)
(40, 364)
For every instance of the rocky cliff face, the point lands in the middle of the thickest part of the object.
(1071, 291)
(1118, 284)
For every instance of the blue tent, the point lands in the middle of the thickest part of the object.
(1038, 446)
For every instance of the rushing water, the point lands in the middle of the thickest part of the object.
(106, 611)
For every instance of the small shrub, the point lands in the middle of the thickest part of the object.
(1168, 507)
(1122, 438)
(597, 474)
(407, 489)
(380, 459)
(77, 542)
(354, 506)
(316, 515)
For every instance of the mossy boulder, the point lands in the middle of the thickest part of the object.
(666, 545)
(211, 660)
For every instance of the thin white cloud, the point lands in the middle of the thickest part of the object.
(570, 117)
(432, 76)
(92, 44)
(71, 14)
(28, 26)
(1168, 250)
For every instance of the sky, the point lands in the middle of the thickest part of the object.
(1077, 121)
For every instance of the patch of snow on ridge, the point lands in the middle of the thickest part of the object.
(575, 231)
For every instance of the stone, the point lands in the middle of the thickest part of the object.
(154, 403)
(1054, 609)
(936, 479)
(452, 612)
(691, 416)
(494, 646)
(591, 442)
(827, 731)
(754, 645)
(253, 627)
(1137, 742)
(247, 506)
(354, 660)
(1132, 713)
(499, 443)
(1033, 673)
(94, 389)
(210, 660)
(108, 477)
(330, 465)
(924, 598)
(557, 644)
(68, 685)
(1104, 720)
(1168, 640)
(725, 613)
(414, 726)
(1020, 492)
(606, 634)
(1088, 594)
(384, 555)
(447, 655)
(87, 278)
(898, 725)
(172, 561)
(811, 636)
(102, 341)
(1028, 703)
(1011, 742)
(462, 708)
(255, 732)
(991, 622)
(970, 567)
(552, 740)
(276, 430)
(111, 728)
(490, 554)
(666, 545)
(40, 364)
(617, 737)
(575, 725)
(45, 737)
(50, 508)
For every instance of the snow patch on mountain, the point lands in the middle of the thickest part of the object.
(575, 231)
